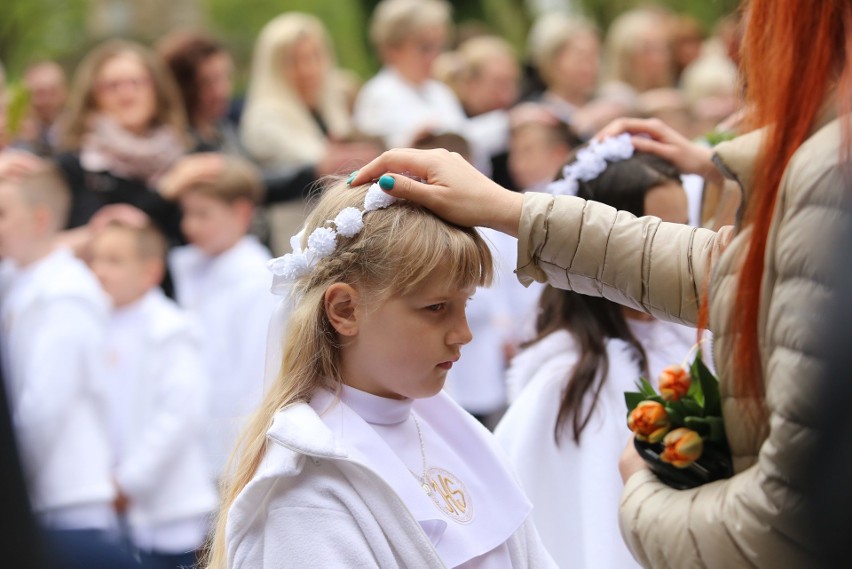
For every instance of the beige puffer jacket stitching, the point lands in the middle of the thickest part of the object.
(741, 522)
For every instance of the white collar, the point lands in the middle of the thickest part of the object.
(374, 409)
(458, 443)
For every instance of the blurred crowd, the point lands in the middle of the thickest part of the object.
(169, 195)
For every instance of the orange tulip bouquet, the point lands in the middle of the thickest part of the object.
(680, 432)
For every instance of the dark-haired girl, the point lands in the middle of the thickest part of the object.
(565, 430)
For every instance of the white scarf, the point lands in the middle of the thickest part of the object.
(108, 147)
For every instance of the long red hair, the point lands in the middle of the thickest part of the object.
(795, 55)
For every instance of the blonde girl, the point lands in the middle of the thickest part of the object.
(356, 458)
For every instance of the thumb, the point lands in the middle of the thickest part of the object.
(403, 187)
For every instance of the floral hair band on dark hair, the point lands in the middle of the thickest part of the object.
(591, 162)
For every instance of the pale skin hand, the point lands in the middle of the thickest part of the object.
(630, 462)
(80, 238)
(454, 189)
(15, 164)
(665, 142)
(460, 194)
(190, 170)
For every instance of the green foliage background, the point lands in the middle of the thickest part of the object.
(33, 29)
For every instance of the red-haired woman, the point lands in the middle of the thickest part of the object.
(767, 290)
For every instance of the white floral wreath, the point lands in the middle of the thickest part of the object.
(323, 240)
(591, 162)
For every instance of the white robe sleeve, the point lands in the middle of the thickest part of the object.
(62, 360)
(181, 402)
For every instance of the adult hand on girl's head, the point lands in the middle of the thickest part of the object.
(124, 214)
(656, 137)
(452, 188)
(204, 167)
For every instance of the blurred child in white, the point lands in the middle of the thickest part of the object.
(566, 52)
(157, 393)
(539, 144)
(403, 99)
(53, 321)
(356, 458)
(221, 278)
(565, 428)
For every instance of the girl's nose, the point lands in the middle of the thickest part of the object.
(460, 333)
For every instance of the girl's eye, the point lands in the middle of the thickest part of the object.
(436, 307)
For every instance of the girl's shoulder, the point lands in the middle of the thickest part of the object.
(296, 443)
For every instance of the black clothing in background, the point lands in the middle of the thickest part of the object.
(91, 191)
(828, 467)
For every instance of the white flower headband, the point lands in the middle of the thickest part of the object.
(323, 240)
(591, 162)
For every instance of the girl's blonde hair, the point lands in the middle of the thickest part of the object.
(395, 21)
(81, 100)
(397, 250)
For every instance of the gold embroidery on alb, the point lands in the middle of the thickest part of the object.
(450, 495)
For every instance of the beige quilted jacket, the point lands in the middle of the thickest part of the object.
(748, 520)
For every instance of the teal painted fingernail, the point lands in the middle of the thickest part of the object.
(386, 182)
(351, 177)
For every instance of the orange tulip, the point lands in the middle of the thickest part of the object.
(682, 447)
(649, 421)
(674, 383)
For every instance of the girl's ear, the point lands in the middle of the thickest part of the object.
(154, 271)
(340, 301)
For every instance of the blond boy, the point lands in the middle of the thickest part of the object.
(157, 387)
(53, 321)
(221, 277)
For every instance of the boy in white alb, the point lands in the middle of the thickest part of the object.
(53, 321)
(157, 389)
(221, 277)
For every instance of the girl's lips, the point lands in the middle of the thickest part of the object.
(445, 365)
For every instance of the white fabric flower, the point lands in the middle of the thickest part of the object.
(617, 148)
(349, 222)
(377, 198)
(322, 242)
(589, 164)
(296, 241)
(564, 187)
(291, 267)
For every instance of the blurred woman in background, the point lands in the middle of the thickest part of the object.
(296, 112)
(566, 53)
(204, 71)
(123, 128)
(638, 55)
